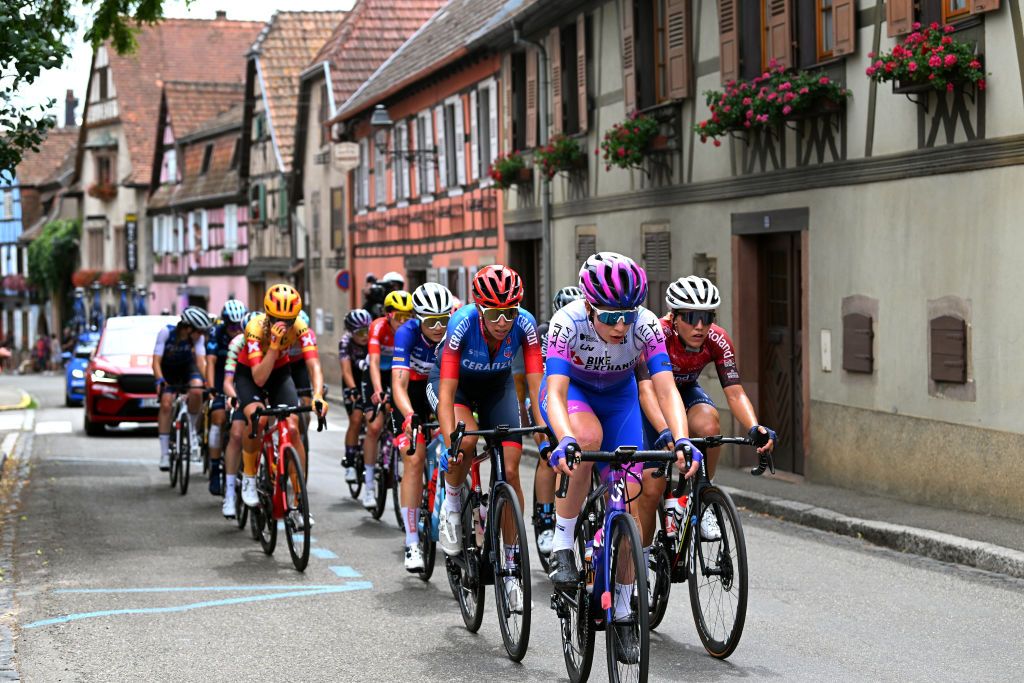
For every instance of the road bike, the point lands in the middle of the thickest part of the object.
(387, 474)
(184, 442)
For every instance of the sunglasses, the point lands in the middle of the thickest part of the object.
(691, 318)
(612, 318)
(433, 322)
(494, 315)
(400, 316)
(361, 332)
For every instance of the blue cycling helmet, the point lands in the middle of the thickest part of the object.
(304, 317)
(234, 311)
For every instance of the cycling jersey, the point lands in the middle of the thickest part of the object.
(464, 351)
(234, 348)
(575, 350)
(257, 340)
(413, 351)
(176, 351)
(687, 364)
(217, 349)
(295, 351)
(542, 330)
(382, 342)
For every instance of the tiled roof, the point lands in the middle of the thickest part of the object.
(54, 155)
(284, 48)
(211, 51)
(445, 35)
(190, 105)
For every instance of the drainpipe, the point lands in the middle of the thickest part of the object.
(545, 196)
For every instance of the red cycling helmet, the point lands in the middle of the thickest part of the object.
(497, 287)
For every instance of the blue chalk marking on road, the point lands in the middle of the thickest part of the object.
(301, 539)
(345, 572)
(197, 589)
(354, 586)
(323, 553)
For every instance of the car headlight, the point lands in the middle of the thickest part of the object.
(78, 374)
(103, 377)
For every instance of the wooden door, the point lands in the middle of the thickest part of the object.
(524, 258)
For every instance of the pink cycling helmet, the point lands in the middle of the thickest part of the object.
(611, 280)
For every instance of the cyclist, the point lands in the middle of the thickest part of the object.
(376, 382)
(415, 354)
(694, 341)
(233, 452)
(263, 372)
(591, 399)
(475, 374)
(217, 350)
(352, 357)
(300, 375)
(179, 359)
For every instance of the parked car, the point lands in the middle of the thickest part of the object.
(75, 367)
(119, 384)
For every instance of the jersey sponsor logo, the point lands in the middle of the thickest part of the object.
(307, 339)
(455, 339)
(719, 339)
(587, 347)
(252, 346)
(604, 364)
(475, 366)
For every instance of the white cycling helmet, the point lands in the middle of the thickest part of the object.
(196, 318)
(692, 293)
(432, 299)
(392, 277)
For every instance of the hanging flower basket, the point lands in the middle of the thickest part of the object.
(103, 191)
(84, 277)
(510, 169)
(928, 59)
(560, 154)
(626, 144)
(15, 283)
(110, 278)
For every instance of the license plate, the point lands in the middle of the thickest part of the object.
(149, 403)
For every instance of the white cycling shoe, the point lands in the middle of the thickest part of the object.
(165, 462)
(709, 529)
(515, 594)
(351, 475)
(450, 532)
(228, 507)
(545, 541)
(413, 559)
(249, 495)
(369, 498)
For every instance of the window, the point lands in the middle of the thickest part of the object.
(425, 141)
(8, 203)
(119, 247)
(96, 248)
(231, 227)
(454, 142)
(858, 343)
(948, 341)
(399, 173)
(566, 78)
(324, 114)
(337, 219)
(207, 156)
(954, 9)
(658, 264)
(380, 169)
(102, 83)
(656, 51)
(234, 154)
(204, 230)
(442, 148)
(586, 245)
(826, 31)
(104, 170)
(259, 127)
(519, 122)
(169, 171)
(484, 128)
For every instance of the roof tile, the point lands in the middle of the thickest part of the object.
(55, 154)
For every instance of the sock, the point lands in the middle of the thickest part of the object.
(215, 436)
(350, 455)
(194, 419)
(165, 444)
(623, 597)
(412, 532)
(368, 476)
(231, 478)
(565, 527)
(510, 557)
(250, 463)
(452, 498)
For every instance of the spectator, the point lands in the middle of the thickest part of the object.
(42, 353)
(56, 362)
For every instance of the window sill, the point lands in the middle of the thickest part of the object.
(455, 192)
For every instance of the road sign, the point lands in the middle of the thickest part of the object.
(342, 279)
(345, 155)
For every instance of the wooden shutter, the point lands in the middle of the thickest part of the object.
(858, 344)
(555, 52)
(658, 264)
(844, 27)
(460, 141)
(949, 349)
(337, 218)
(531, 98)
(899, 16)
(628, 56)
(492, 112)
(442, 150)
(428, 143)
(729, 39)
(474, 136)
(779, 32)
(678, 38)
(204, 229)
(506, 104)
(979, 6)
(586, 246)
(581, 72)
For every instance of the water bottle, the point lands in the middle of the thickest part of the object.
(435, 515)
(588, 554)
(673, 516)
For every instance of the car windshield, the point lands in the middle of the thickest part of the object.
(84, 351)
(134, 339)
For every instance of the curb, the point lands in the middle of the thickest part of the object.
(25, 402)
(934, 544)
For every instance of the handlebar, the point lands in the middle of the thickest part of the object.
(500, 430)
(621, 455)
(285, 411)
(416, 429)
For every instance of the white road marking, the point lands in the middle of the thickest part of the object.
(12, 421)
(54, 427)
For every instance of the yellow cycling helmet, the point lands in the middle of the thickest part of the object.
(282, 301)
(398, 301)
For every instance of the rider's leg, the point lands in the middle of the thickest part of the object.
(703, 420)
(412, 491)
(456, 475)
(164, 422)
(195, 401)
(217, 420)
(373, 430)
(233, 455)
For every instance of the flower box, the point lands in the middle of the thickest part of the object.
(928, 59)
(102, 191)
(509, 170)
(626, 144)
(560, 154)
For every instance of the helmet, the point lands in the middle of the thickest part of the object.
(393, 277)
(282, 301)
(432, 299)
(564, 296)
(357, 319)
(197, 318)
(248, 317)
(613, 280)
(692, 293)
(398, 300)
(304, 317)
(234, 311)
(497, 287)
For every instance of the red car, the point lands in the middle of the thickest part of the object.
(119, 384)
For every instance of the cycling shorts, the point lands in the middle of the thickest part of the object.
(366, 387)
(179, 375)
(420, 402)
(692, 394)
(279, 388)
(300, 374)
(492, 398)
(219, 401)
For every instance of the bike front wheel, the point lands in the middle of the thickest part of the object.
(574, 612)
(382, 474)
(241, 509)
(718, 576)
(511, 552)
(627, 636)
(467, 582)
(184, 458)
(659, 572)
(265, 513)
(396, 486)
(296, 516)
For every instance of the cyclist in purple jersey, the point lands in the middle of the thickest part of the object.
(352, 351)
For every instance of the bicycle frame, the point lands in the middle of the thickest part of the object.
(276, 436)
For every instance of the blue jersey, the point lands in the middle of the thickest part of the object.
(464, 351)
(217, 349)
(413, 351)
(175, 351)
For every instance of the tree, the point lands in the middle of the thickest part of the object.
(51, 260)
(35, 35)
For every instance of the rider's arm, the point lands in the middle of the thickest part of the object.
(199, 351)
(158, 354)
(400, 390)
(373, 355)
(533, 362)
(451, 360)
(261, 371)
(740, 406)
(346, 373)
(229, 385)
(316, 378)
(649, 404)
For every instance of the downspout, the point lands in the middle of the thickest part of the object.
(545, 196)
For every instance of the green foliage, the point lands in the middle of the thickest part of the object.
(560, 154)
(625, 144)
(52, 255)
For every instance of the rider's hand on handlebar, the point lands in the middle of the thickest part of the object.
(319, 405)
(683, 462)
(557, 457)
(764, 438)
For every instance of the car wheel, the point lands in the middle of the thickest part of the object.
(68, 401)
(93, 428)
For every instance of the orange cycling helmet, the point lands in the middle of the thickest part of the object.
(497, 287)
(282, 301)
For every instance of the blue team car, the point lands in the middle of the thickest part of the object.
(74, 371)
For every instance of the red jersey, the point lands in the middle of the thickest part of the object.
(382, 342)
(687, 363)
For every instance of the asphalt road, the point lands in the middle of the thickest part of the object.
(99, 529)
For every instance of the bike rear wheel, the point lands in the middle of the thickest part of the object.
(511, 552)
(297, 510)
(184, 457)
(382, 474)
(718, 577)
(467, 583)
(241, 509)
(172, 454)
(627, 638)
(396, 486)
(356, 487)
(574, 613)
(659, 572)
(265, 513)
(538, 527)
(428, 547)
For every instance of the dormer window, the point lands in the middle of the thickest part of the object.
(207, 155)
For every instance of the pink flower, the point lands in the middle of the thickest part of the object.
(750, 113)
(878, 64)
(981, 84)
(912, 67)
(949, 87)
(935, 61)
(773, 63)
(622, 151)
(950, 60)
(786, 110)
(786, 86)
(727, 109)
(789, 97)
(916, 26)
(763, 118)
(870, 71)
(932, 77)
(889, 66)
(765, 76)
(746, 124)
(718, 143)
(597, 151)
(948, 29)
(703, 124)
(772, 96)
(824, 80)
(975, 64)
(804, 90)
(871, 55)
(703, 139)
(946, 40)
(934, 26)
(746, 101)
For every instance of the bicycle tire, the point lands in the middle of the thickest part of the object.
(515, 634)
(733, 584)
(537, 530)
(297, 500)
(659, 572)
(241, 509)
(356, 487)
(172, 455)
(624, 535)
(396, 488)
(577, 621)
(428, 547)
(381, 478)
(255, 523)
(184, 458)
(470, 584)
(265, 488)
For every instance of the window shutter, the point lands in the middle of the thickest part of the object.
(431, 274)
(531, 98)
(555, 53)
(506, 105)
(586, 246)
(780, 32)
(679, 65)
(442, 276)
(460, 142)
(858, 344)
(190, 227)
(979, 6)
(899, 15)
(428, 143)
(492, 112)
(364, 174)
(204, 229)
(474, 136)
(658, 264)
(404, 161)
(729, 39)
(844, 27)
(415, 166)
(180, 236)
(231, 226)
(581, 71)
(442, 156)
(628, 56)
(949, 350)
(460, 291)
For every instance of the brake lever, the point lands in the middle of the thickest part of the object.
(571, 460)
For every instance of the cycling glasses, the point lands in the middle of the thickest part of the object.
(614, 317)
(361, 332)
(691, 318)
(400, 316)
(493, 315)
(432, 322)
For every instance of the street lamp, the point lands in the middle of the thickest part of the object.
(381, 121)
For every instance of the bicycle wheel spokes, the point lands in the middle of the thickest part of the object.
(577, 629)
(396, 487)
(428, 547)
(511, 571)
(296, 516)
(718, 578)
(264, 489)
(184, 457)
(381, 474)
(466, 580)
(628, 638)
(659, 581)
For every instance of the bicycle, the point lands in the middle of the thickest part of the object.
(184, 442)
(387, 475)
(280, 483)
(489, 556)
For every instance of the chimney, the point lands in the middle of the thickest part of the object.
(70, 103)
(222, 14)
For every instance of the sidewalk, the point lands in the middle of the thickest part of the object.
(13, 398)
